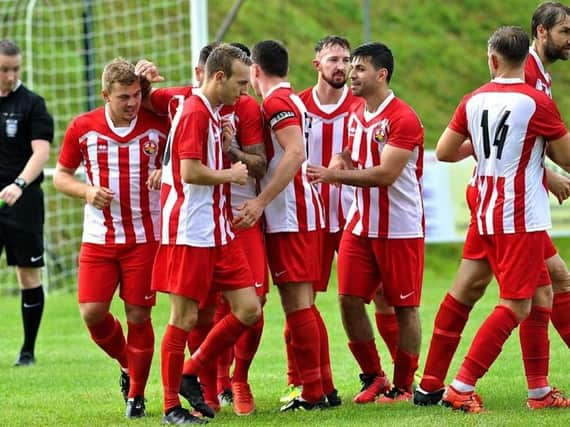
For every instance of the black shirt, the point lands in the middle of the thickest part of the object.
(23, 118)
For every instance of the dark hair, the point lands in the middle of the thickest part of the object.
(206, 51)
(548, 14)
(511, 43)
(242, 47)
(222, 58)
(332, 40)
(379, 54)
(9, 48)
(272, 57)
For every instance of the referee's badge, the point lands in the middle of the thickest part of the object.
(11, 127)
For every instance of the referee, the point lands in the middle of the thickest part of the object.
(26, 131)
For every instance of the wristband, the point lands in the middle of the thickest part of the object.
(21, 182)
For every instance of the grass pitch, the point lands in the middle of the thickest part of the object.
(75, 383)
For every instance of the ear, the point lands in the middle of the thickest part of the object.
(382, 74)
(316, 64)
(219, 76)
(494, 61)
(105, 95)
(540, 31)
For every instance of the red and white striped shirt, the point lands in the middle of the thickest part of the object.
(535, 74)
(298, 206)
(394, 211)
(328, 135)
(194, 215)
(120, 159)
(508, 122)
(245, 116)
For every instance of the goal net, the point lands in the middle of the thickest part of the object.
(65, 44)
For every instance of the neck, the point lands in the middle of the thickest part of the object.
(208, 90)
(268, 83)
(328, 94)
(510, 73)
(539, 49)
(374, 100)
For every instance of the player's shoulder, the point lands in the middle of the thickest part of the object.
(90, 118)
(306, 95)
(246, 103)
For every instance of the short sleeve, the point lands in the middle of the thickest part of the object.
(70, 155)
(192, 134)
(41, 122)
(547, 120)
(249, 127)
(407, 132)
(458, 122)
(279, 113)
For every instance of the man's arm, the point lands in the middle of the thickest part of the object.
(558, 185)
(392, 163)
(450, 145)
(291, 140)
(64, 180)
(559, 152)
(253, 156)
(194, 172)
(34, 166)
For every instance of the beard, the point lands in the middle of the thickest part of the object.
(553, 52)
(334, 83)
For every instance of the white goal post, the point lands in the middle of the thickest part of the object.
(65, 44)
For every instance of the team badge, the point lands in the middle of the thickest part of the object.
(11, 127)
(150, 147)
(381, 132)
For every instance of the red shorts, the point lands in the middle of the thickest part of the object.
(331, 243)
(294, 257)
(364, 263)
(549, 248)
(103, 267)
(194, 272)
(253, 244)
(474, 247)
(517, 260)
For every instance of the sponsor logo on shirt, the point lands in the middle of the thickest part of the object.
(280, 116)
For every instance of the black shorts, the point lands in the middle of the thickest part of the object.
(21, 229)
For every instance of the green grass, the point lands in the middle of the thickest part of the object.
(74, 383)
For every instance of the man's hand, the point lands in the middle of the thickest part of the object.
(153, 181)
(148, 70)
(10, 194)
(100, 197)
(319, 174)
(248, 214)
(239, 173)
(228, 132)
(559, 186)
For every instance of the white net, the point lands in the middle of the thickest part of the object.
(65, 44)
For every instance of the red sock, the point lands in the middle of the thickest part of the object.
(140, 348)
(223, 335)
(172, 360)
(293, 377)
(245, 349)
(198, 334)
(226, 358)
(207, 377)
(387, 325)
(405, 366)
(487, 344)
(535, 346)
(325, 359)
(366, 354)
(306, 344)
(108, 335)
(448, 326)
(561, 315)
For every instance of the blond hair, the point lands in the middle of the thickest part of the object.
(119, 70)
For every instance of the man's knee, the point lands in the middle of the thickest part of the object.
(559, 274)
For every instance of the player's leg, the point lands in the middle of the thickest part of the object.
(514, 264)
(98, 278)
(136, 272)
(471, 280)
(358, 278)
(225, 360)
(386, 322)
(246, 346)
(560, 277)
(185, 273)
(402, 284)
